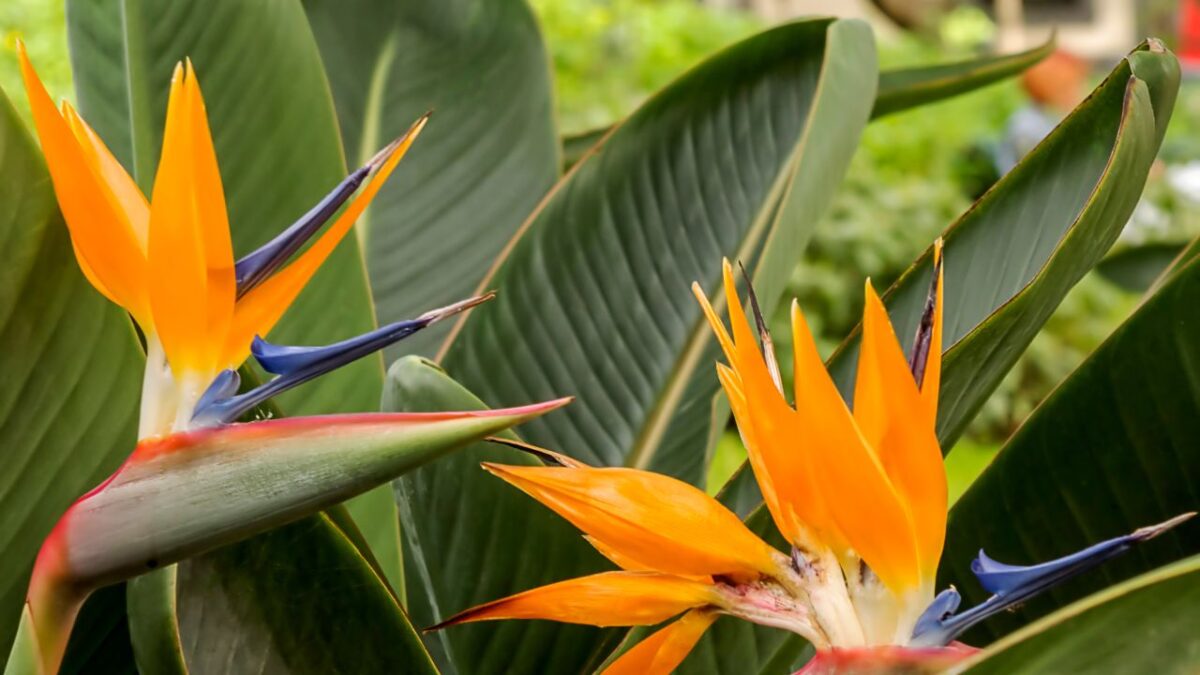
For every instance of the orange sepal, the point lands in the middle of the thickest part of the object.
(890, 413)
(649, 520)
(662, 652)
(191, 259)
(259, 310)
(760, 411)
(605, 599)
(103, 234)
(863, 505)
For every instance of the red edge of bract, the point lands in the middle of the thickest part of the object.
(888, 658)
(154, 447)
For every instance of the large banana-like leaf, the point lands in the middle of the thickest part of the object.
(899, 89)
(1013, 256)
(277, 142)
(487, 156)
(1145, 625)
(1114, 447)
(71, 369)
(737, 158)
(359, 629)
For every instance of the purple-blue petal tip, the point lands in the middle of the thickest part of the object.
(1013, 584)
(261, 263)
(296, 365)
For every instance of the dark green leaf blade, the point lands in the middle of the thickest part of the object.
(326, 612)
(1013, 256)
(905, 88)
(1112, 449)
(68, 406)
(1145, 625)
(487, 156)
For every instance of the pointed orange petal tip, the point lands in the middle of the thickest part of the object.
(662, 652)
(604, 599)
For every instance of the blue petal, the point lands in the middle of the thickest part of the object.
(1013, 584)
(256, 267)
(260, 264)
(297, 361)
(297, 365)
(943, 606)
(223, 386)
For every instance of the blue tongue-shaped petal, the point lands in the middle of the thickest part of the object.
(261, 263)
(1013, 584)
(297, 365)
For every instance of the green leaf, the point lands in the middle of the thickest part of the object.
(154, 631)
(1113, 448)
(1013, 256)
(905, 88)
(71, 366)
(899, 89)
(1136, 268)
(360, 629)
(487, 156)
(736, 158)
(1146, 625)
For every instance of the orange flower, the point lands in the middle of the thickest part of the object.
(169, 260)
(860, 495)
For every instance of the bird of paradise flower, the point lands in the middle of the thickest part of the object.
(168, 261)
(859, 494)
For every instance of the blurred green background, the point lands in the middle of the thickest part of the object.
(913, 174)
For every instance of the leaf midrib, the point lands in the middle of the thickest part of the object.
(137, 98)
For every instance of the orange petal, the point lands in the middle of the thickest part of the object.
(663, 651)
(178, 268)
(605, 599)
(863, 505)
(649, 520)
(891, 414)
(258, 311)
(103, 234)
(122, 186)
(758, 406)
(212, 221)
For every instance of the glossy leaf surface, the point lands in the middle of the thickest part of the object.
(487, 156)
(1113, 448)
(49, 374)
